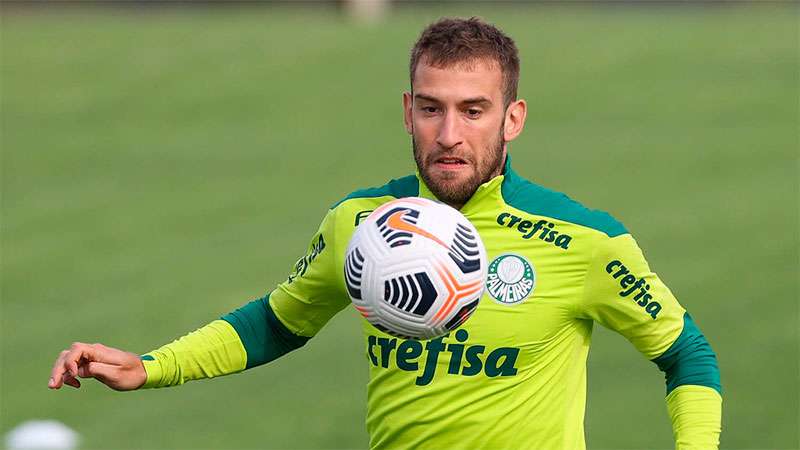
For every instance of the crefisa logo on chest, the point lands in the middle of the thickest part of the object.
(511, 279)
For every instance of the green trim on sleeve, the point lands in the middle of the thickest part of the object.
(534, 199)
(264, 336)
(690, 360)
(154, 371)
(407, 186)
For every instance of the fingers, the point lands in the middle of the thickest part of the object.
(115, 368)
(57, 372)
(72, 366)
(66, 367)
(71, 381)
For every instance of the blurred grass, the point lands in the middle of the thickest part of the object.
(160, 169)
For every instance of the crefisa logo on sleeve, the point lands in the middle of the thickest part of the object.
(510, 279)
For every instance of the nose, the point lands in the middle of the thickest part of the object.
(449, 135)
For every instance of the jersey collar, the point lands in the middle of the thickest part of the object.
(491, 188)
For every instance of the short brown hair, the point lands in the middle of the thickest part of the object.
(450, 41)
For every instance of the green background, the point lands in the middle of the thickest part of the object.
(160, 167)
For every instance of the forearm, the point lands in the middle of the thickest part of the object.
(694, 399)
(696, 415)
(247, 337)
(211, 351)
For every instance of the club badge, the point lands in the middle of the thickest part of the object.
(511, 279)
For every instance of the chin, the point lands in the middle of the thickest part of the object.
(452, 189)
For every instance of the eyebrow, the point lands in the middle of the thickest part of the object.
(468, 101)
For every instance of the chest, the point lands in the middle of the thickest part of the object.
(536, 274)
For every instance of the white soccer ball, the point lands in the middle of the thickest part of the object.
(42, 435)
(415, 268)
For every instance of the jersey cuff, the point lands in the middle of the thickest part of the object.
(696, 415)
(154, 371)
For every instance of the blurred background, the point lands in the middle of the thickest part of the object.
(163, 164)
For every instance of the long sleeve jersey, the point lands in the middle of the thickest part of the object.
(513, 375)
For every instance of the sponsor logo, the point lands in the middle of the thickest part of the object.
(361, 215)
(543, 230)
(302, 264)
(510, 279)
(631, 283)
(464, 360)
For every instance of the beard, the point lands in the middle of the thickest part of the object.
(448, 188)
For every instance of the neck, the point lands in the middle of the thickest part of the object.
(499, 169)
(495, 173)
(457, 206)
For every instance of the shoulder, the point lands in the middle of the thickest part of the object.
(407, 186)
(344, 215)
(535, 199)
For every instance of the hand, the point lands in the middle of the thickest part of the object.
(117, 369)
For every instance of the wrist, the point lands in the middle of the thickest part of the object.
(154, 373)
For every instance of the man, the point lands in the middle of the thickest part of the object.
(514, 376)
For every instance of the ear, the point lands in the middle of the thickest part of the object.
(515, 119)
(408, 103)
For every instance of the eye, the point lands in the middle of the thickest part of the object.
(473, 113)
(430, 109)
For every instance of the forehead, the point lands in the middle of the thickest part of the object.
(479, 78)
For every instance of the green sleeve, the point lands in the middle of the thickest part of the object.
(264, 329)
(247, 337)
(263, 336)
(624, 295)
(208, 352)
(315, 290)
(696, 415)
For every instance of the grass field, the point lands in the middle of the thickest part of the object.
(162, 168)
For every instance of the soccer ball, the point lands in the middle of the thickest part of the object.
(415, 268)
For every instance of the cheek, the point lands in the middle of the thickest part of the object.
(425, 130)
(484, 138)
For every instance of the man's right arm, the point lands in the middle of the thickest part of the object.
(252, 335)
(247, 337)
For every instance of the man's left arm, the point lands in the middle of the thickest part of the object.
(623, 294)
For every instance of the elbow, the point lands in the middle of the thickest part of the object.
(690, 360)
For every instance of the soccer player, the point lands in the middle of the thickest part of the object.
(515, 374)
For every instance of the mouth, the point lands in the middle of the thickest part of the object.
(450, 162)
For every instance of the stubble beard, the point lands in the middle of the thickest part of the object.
(448, 189)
